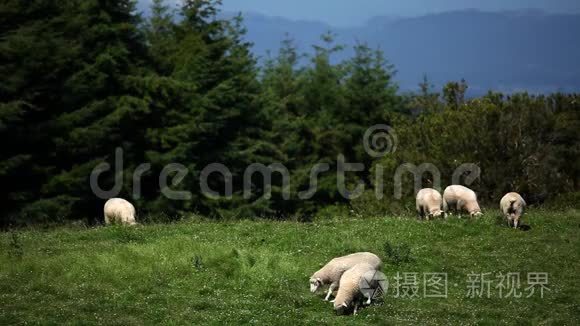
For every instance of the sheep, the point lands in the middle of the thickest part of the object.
(118, 210)
(356, 284)
(429, 203)
(459, 198)
(333, 270)
(512, 205)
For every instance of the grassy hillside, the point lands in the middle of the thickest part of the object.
(257, 272)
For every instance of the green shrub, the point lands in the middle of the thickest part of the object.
(565, 201)
(398, 254)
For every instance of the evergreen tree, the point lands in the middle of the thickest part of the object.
(160, 33)
(104, 110)
(37, 55)
(221, 120)
(80, 57)
(371, 99)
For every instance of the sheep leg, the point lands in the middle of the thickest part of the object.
(330, 289)
(328, 294)
(420, 211)
(355, 308)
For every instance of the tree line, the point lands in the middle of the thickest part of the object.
(83, 78)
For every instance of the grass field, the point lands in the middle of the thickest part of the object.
(207, 272)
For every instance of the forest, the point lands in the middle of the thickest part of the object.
(85, 80)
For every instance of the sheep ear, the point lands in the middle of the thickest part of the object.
(345, 305)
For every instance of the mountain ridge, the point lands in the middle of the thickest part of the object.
(508, 51)
(505, 51)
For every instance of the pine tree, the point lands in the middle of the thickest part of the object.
(221, 118)
(37, 55)
(293, 126)
(160, 34)
(81, 56)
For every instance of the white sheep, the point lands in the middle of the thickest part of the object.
(118, 210)
(333, 270)
(460, 198)
(429, 203)
(512, 206)
(356, 284)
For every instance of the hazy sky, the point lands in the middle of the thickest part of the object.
(356, 12)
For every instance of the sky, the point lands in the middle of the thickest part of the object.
(357, 12)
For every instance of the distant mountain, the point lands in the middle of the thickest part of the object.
(508, 51)
(267, 32)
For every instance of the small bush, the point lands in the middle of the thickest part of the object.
(197, 263)
(331, 212)
(15, 246)
(565, 201)
(398, 254)
(47, 211)
(125, 234)
(368, 205)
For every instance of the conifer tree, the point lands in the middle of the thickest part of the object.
(75, 98)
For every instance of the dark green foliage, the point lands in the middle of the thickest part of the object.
(521, 143)
(126, 235)
(322, 111)
(564, 201)
(197, 263)
(398, 254)
(83, 78)
(15, 249)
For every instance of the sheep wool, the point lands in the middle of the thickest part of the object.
(118, 210)
(429, 203)
(512, 205)
(333, 270)
(459, 198)
(350, 294)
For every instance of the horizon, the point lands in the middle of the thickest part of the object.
(347, 14)
(397, 17)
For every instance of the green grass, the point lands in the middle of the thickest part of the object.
(257, 271)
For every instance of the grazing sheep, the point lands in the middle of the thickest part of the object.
(460, 198)
(356, 284)
(118, 210)
(429, 203)
(333, 270)
(512, 206)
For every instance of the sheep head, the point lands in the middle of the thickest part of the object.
(341, 309)
(315, 283)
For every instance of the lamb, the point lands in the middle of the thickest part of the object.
(460, 198)
(512, 206)
(429, 203)
(333, 270)
(118, 210)
(356, 284)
